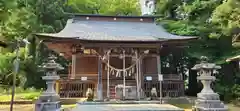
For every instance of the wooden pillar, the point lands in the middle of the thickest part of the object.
(99, 85)
(158, 64)
(124, 75)
(73, 72)
(69, 70)
(73, 66)
(108, 75)
(140, 77)
(159, 72)
(137, 76)
(57, 87)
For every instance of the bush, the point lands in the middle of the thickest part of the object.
(236, 94)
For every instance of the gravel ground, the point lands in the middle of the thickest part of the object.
(17, 107)
(29, 107)
(127, 107)
(69, 107)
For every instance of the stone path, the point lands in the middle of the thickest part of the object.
(127, 107)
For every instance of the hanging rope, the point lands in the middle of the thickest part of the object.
(119, 70)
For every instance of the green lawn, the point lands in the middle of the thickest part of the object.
(20, 96)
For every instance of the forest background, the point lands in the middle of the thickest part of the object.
(215, 22)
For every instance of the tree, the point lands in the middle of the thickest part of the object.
(6, 7)
(199, 10)
(22, 23)
(168, 7)
(227, 16)
(108, 7)
(21, 19)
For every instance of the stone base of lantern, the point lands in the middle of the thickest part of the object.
(209, 102)
(48, 102)
(210, 109)
(48, 106)
(208, 96)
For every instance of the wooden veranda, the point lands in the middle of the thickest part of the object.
(110, 51)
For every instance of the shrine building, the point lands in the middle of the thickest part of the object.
(112, 54)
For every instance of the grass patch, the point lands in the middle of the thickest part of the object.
(69, 106)
(20, 96)
(17, 90)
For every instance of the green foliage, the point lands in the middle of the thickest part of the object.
(6, 7)
(31, 96)
(236, 90)
(50, 14)
(168, 7)
(7, 66)
(20, 90)
(21, 94)
(180, 27)
(198, 18)
(214, 22)
(227, 16)
(86, 6)
(20, 18)
(21, 24)
(200, 10)
(229, 93)
(107, 7)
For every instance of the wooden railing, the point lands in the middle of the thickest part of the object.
(172, 76)
(74, 88)
(172, 86)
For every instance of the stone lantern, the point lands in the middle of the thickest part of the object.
(49, 99)
(207, 99)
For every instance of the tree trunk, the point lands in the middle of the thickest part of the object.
(228, 72)
(193, 88)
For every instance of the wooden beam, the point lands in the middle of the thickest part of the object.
(113, 55)
(123, 45)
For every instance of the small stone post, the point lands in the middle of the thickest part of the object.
(207, 99)
(50, 100)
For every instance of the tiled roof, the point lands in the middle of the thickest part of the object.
(114, 31)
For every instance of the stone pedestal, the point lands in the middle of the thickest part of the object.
(49, 100)
(48, 106)
(207, 99)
